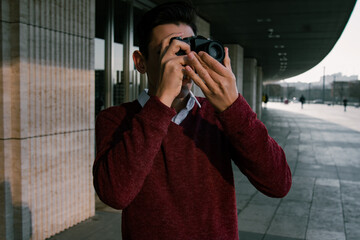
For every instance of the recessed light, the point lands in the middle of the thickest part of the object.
(279, 46)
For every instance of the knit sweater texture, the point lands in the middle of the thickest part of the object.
(176, 181)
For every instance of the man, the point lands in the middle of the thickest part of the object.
(345, 104)
(302, 100)
(165, 159)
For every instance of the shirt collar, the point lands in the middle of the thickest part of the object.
(144, 97)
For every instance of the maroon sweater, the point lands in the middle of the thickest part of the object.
(176, 181)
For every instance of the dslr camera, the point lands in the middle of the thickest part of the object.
(200, 43)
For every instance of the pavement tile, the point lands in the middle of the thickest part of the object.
(245, 188)
(104, 226)
(328, 182)
(352, 231)
(307, 159)
(323, 234)
(288, 226)
(315, 173)
(274, 237)
(261, 199)
(326, 219)
(257, 212)
(254, 226)
(250, 236)
(294, 208)
(351, 206)
(300, 192)
(255, 218)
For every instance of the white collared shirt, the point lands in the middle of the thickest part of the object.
(180, 116)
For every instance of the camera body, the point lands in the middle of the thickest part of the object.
(200, 43)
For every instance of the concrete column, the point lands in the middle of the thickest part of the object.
(109, 55)
(203, 27)
(236, 53)
(259, 91)
(46, 116)
(203, 30)
(250, 81)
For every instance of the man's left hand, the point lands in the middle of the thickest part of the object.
(217, 81)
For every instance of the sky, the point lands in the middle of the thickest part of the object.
(344, 57)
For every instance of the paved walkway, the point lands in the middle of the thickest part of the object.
(323, 202)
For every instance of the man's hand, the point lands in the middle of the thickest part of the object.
(172, 68)
(217, 81)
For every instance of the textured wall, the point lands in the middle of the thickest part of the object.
(46, 116)
(250, 81)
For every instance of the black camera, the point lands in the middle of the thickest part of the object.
(200, 43)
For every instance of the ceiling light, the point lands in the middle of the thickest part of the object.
(279, 46)
(260, 20)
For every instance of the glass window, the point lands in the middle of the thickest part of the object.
(99, 75)
(100, 24)
(137, 82)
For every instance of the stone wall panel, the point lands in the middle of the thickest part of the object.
(47, 116)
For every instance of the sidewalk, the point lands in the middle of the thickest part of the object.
(323, 202)
(324, 157)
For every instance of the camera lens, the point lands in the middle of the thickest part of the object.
(216, 51)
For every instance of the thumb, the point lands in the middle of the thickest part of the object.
(227, 62)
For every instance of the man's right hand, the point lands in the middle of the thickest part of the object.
(172, 68)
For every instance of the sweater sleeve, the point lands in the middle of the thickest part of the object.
(126, 148)
(256, 154)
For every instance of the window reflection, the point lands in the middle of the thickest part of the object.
(137, 81)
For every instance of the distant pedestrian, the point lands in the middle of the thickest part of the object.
(345, 104)
(265, 99)
(302, 100)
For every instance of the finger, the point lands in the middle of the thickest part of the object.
(227, 61)
(212, 73)
(177, 45)
(173, 46)
(213, 64)
(166, 41)
(197, 80)
(164, 45)
(201, 69)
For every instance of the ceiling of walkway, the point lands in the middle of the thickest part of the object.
(287, 37)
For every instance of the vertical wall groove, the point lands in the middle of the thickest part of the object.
(50, 125)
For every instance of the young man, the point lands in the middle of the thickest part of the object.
(165, 159)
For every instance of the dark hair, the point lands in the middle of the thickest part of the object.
(170, 12)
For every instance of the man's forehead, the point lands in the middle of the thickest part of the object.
(163, 31)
